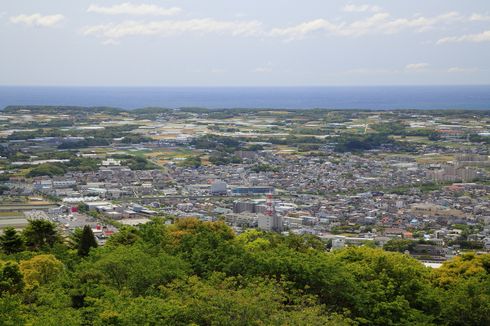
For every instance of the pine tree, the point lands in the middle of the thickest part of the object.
(11, 241)
(87, 241)
(41, 233)
(73, 240)
(83, 208)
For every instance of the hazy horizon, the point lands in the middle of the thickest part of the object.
(328, 97)
(246, 86)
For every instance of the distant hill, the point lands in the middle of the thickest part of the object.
(43, 109)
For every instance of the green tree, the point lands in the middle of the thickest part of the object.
(40, 270)
(391, 288)
(206, 246)
(260, 167)
(126, 235)
(83, 208)
(73, 240)
(87, 241)
(133, 268)
(191, 162)
(11, 241)
(434, 136)
(467, 302)
(465, 266)
(11, 310)
(201, 273)
(11, 279)
(48, 169)
(399, 245)
(41, 233)
(464, 284)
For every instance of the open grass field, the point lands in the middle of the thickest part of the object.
(162, 157)
(434, 159)
(10, 215)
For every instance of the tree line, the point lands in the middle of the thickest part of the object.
(202, 273)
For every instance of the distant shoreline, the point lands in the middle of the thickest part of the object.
(470, 97)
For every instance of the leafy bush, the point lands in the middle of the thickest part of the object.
(194, 272)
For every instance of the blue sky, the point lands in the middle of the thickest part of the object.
(244, 42)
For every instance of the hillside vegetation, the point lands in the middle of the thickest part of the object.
(200, 273)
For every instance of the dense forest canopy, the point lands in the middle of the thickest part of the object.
(201, 273)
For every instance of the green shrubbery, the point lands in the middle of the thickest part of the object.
(201, 273)
(54, 169)
(191, 162)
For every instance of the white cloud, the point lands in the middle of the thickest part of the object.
(480, 17)
(37, 20)
(361, 8)
(421, 23)
(410, 68)
(301, 30)
(417, 66)
(378, 23)
(375, 23)
(134, 9)
(364, 26)
(461, 70)
(472, 38)
(173, 27)
(356, 28)
(110, 42)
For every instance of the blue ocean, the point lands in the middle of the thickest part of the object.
(376, 98)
